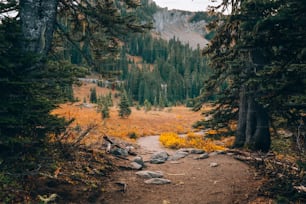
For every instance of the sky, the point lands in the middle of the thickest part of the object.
(187, 5)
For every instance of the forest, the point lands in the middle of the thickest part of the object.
(251, 75)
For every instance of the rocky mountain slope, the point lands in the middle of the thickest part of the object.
(170, 23)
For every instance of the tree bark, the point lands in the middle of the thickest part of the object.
(262, 139)
(241, 129)
(250, 121)
(253, 124)
(37, 23)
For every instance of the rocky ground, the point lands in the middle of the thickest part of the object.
(185, 176)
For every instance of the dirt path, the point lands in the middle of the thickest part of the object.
(192, 181)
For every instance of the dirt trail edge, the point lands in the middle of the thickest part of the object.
(192, 181)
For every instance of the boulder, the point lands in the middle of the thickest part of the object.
(202, 156)
(150, 174)
(178, 155)
(213, 164)
(136, 166)
(119, 152)
(159, 158)
(213, 154)
(157, 181)
(139, 160)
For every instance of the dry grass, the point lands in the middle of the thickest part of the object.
(140, 123)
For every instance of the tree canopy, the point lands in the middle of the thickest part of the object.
(259, 53)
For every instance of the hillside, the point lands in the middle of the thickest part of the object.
(174, 23)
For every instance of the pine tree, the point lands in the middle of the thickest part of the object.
(93, 95)
(249, 53)
(124, 109)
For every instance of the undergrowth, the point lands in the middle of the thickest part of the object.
(175, 141)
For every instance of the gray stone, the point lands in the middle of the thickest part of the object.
(213, 164)
(213, 154)
(192, 150)
(131, 150)
(178, 155)
(119, 152)
(221, 152)
(139, 160)
(197, 151)
(230, 153)
(150, 174)
(159, 158)
(136, 166)
(202, 156)
(157, 181)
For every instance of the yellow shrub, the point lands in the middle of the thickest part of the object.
(212, 132)
(173, 140)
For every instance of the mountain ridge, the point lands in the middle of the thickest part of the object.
(177, 24)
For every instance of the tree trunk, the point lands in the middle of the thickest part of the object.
(250, 121)
(262, 139)
(253, 124)
(37, 22)
(241, 129)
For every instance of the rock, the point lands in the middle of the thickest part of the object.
(213, 164)
(159, 158)
(175, 162)
(139, 160)
(192, 150)
(202, 156)
(150, 174)
(221, 152)
(166, 202)
(213, 154)
(178, 155)
(131, 150)
(157, 181)
(119, 152)
(136, 166)
(197, 151)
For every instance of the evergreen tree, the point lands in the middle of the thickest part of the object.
(147, 105)
(249, 54)
(28, 96)
(124, 109)
(93, 95)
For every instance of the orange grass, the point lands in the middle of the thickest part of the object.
(141, 123)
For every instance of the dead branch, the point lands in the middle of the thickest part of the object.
(84, 134)
(111, 142)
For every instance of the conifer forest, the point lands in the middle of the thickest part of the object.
(89, 89)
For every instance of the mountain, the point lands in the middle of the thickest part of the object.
(183, 25)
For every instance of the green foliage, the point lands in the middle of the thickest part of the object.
(93, 38)
(210, 35)
(170, 71)
(200, 16)
(147, 106)
(104, 102)
(132, 135)
(124, 109)
(262, 50)
(5, 183)
(93, 95)
(29, 91)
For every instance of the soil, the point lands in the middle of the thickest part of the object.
(192, 181)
